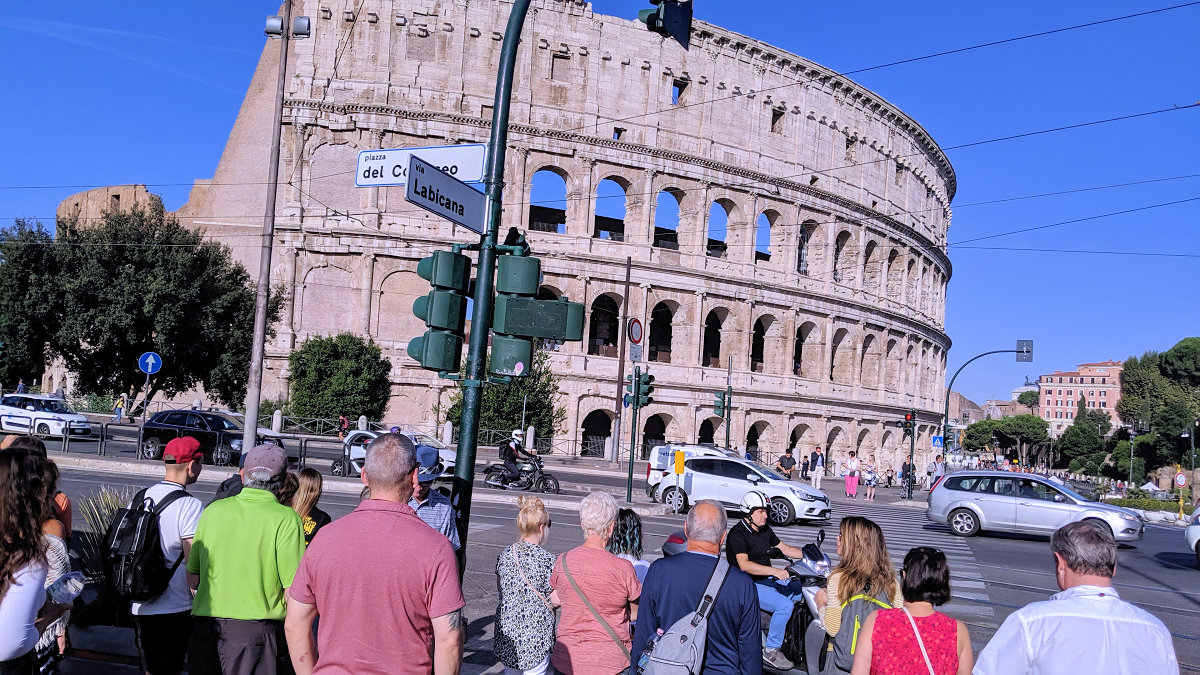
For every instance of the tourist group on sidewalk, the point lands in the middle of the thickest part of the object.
(261, 582)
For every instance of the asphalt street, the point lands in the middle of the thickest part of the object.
(992, 574)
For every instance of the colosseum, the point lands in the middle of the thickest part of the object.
(779, 217)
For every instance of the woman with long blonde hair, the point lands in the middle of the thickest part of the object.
(309, 486)
(864, 570)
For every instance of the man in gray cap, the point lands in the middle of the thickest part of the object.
(244, 556)
(432, 506)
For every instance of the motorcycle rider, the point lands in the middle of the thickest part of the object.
(511, 452)
(747, 547)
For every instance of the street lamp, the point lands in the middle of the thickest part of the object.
(1190, 434)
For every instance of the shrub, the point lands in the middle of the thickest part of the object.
(1146, 504)
(98, 510)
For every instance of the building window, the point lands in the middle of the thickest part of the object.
(1060, 394)
(1048, 402)
(1102, 393)
(1103, 404)
(560, 65)
(1069, 392)
(1104, 380)
(1058, 414)
(677, 89)
(1060, 380)
(1069, 415)
(776, 121)
(115, 203)
(617, 131)
(1093, 381)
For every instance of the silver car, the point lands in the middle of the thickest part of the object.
(1000, 501)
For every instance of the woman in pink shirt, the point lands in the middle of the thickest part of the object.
(598, 593)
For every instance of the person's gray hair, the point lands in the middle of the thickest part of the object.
(597, 511)
(391, 459)
(263, 480)
(706, 524)
(1087, 546)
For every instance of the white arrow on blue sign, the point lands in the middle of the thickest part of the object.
(150, 363)
(937, 441)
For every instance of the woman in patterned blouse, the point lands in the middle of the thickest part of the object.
(525, 616)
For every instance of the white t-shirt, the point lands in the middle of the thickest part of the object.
(852, 464)
(18, 609)
(176, 523)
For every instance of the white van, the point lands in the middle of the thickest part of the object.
(662, 462)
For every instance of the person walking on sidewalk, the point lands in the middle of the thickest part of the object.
(816, 465)
(244, 555)
(162, 626)
(384, 583)
(870, 478)
(119, 407)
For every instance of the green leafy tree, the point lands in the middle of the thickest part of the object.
(501, 404)
(139, 281)
(1027, 432)
(1181, 363)
(1079, 441)
(1100, 419)
(27, 299)
(339, 375)
(978, 435)
(1029, 399)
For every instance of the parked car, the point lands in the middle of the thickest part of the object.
(1000, 501)
(354, 451)
(41, 415)
(728, 479)
(661, 462)
(1192, 534)
(220, 434)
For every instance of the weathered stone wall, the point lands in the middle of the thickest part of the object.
(857, 195)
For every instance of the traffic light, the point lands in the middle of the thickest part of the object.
(517, 279)
(632, 390)
(909, 422)
(719, 404)
(444, 311)
(671, 18)
(644, 391)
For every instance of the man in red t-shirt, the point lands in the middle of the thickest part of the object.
(384, 583)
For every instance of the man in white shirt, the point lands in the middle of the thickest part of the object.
(1087, 628)
(163, 625)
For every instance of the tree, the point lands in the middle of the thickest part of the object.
(502, 403)
(1181, 363)
(1027, 431)
(1079, 441)
(979, 434)
(1100, 419)
(1029, 399)
(339, 375)
(27, 290)
(139, 281)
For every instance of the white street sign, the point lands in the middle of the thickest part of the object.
(635, 353)
(390, 167)
(443, 195)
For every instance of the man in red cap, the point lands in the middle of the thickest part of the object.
(163, 624)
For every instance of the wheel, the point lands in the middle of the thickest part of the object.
(152, 448)
(338, 468)
(547, 484)
(675, 499)
(1102, 524)
(43, 429)
(781, 512)
(1198, 553)
(964, 522)
(650, 491)
(222, 454)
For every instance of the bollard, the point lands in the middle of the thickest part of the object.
(447, 433)
(277, 421)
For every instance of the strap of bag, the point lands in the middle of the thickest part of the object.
(611, 633)
(920, 642)
(715, 582)
(517, 556)
(158, 509)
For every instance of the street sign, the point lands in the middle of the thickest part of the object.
(635, 352)
(635, 331)
(679, 457)
(390, 167)
(1180, 479)
(1024, 351)
(149, 363)
(444, 195)
(937, 441)
(625, 400)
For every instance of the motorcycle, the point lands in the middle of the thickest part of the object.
(531, 476)
(805, 636)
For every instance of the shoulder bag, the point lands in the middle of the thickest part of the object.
(521, 570)
(611, 633)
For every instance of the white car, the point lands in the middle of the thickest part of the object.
(661, 462)
(1192, 534)
(728, 479)
(42, 415)
(355, 451)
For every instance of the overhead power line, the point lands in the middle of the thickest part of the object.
(1070, 222)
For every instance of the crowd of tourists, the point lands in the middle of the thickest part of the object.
(264, 582)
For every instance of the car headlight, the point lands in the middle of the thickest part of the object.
(1127, 516)
(803, 495)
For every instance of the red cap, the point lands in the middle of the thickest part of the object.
(182, 450)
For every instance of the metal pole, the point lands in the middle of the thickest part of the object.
(728, 398)
(946, 414)
(481, 318)
(912, 449)
(636, 394)
(263, 291)
(622, 340)
(524, 403)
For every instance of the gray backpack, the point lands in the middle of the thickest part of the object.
(854, 614)
(680, 651)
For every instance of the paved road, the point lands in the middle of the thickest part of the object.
(991, 575)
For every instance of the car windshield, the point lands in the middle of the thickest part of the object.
(769, 472)
(425, 439)
(1070, 492)
(52, 406)
(222, 423)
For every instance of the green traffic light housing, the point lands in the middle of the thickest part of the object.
(645, 389)
(719, 404)
(670, 18)
(444, 311)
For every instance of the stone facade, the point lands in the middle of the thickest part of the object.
(834, 327)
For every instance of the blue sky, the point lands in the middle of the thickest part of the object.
(146, 92)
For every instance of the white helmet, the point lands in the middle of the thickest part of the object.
(754, 499)
(518, 434)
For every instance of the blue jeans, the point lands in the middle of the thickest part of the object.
(776, 597)
(117, 412)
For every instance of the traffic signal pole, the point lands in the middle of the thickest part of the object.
(481, 319)
(633, 427)
(728, 398)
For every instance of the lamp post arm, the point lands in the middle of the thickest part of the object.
(946, 413)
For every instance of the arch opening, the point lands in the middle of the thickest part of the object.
(661, 333)
(718, 229)
(595, 434)
(712, 340)
(548, 202)
(602, 332)
(666, 219)
(610, 210)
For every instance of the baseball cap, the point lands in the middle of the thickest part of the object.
(428, 459)
(182, 450)
(266, 458)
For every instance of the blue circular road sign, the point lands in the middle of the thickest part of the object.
(150, 363)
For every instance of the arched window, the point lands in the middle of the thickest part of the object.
(841, 255)
(806, 352)
(548, 202)
(666, 218)
(758, 343)
(762, 236)
(842, 359)
(602, 334)
(712, 340)
(595, 433)
(610, 211)
(718, 229)
(806, 231)
(661, 333)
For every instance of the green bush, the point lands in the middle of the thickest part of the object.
(1146, 504)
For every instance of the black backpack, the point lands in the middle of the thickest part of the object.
(132, 551)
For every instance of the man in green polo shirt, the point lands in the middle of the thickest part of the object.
(244, 554)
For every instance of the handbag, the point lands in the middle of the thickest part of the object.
(920, 642)
(521, 570)
(611, 633)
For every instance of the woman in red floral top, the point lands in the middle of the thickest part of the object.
(916, 639)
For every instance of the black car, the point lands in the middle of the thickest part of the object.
(220, 434)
